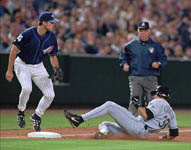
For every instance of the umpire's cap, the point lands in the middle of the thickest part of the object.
(143, 25)
(162, 91)
(47, 16)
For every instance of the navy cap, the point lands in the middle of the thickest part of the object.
(143, 25)
(47, 16)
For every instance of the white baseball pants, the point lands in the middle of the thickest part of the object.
(26, 73)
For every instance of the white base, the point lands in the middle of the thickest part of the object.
(44, 135)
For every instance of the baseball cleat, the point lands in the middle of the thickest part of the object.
(36, 121)
(74, 120)
(99, 135)
(21, 119)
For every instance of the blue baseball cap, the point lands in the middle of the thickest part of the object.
(47, 16)
(143, 25)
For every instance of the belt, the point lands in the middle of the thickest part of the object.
(146, 127)
(149, 129)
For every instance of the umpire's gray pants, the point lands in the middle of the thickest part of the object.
(141, 86)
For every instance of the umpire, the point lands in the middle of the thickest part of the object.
(142, 58)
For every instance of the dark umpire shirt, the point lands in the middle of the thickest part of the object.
(34, 47)
(140, 55)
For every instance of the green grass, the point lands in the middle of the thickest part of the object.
(49, 120)
(184, 120)
(57, 120)
(90, 145)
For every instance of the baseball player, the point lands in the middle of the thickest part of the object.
(26, 55)
(152, 119)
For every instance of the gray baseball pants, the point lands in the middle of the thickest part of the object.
(141, 86)
(125, 123)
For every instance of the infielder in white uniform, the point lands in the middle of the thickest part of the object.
(27, 53)
(152, 119)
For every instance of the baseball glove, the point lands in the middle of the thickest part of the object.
(58, 74)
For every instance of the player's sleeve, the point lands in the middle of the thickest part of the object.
(55, 49)
(154, 108)
(149, 114)
(173, 127)
(20, 40)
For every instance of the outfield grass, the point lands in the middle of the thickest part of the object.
(90, 145)
(50, 120)
(184, 120)
(57, 120)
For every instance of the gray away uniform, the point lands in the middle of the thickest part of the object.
(126, 123)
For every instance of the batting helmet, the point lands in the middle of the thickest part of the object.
(162, 91)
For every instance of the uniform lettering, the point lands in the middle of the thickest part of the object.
(164, 123)
(19, 38)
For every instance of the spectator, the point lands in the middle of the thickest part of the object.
(89, 44)
(108, 25)
(60, 45)
(120, 17)
(78, 47)
(168, 52)
(187, 53)
(178, 51)
(68, 47)
(104, 50)
(184, 32)
(18, 23)
(3, 9)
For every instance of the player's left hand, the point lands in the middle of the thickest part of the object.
(155, 65)
(166, 137)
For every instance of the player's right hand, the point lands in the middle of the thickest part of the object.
(135, 101)
(126, 67)
(9, 76)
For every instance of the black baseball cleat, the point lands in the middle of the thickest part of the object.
(36, 121)
(75, 120)
(21, 119)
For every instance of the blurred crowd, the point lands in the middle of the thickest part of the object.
(101, 27)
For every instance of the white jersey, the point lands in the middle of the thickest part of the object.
(164, 116)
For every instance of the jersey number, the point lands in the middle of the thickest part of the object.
(19, 38)
(164, 123)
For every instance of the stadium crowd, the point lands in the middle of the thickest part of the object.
(101, 27)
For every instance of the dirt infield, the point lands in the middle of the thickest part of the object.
(87, 133)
